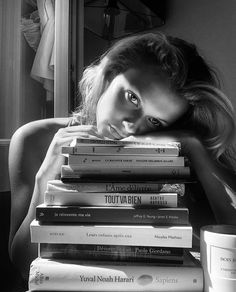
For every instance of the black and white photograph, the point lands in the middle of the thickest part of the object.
(118, 145)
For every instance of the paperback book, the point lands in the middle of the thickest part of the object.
(110, 215)
(158, 150)
(124, 160)
(144, 235)
(109, 142)
(60, 198)
(74, 172)
(116, 186)
(73, 275)
(111, 253)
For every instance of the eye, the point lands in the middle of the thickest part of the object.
(154, 122)
(132, 98)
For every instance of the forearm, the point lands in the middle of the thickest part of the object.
(218, 183)
(22, 250)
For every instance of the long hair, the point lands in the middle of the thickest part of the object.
(212, 115)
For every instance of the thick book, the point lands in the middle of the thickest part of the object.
(91, 160)
(158, 150)
(115, 186)
(114, 172)
(110, 215)
(143, 235)
(111, 253)
(68, 275)
(110, 199)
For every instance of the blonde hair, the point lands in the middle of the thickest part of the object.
(212, 114)
(213, 119)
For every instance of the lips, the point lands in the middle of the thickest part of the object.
(114, 132)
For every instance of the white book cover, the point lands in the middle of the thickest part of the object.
(144, 235)
(110, 142)
(124, 160)
(159, 150)
(62, 275)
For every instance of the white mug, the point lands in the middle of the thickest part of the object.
(218, 257)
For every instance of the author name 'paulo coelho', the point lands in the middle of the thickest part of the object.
(109, 279)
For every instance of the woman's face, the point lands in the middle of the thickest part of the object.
(136, 102)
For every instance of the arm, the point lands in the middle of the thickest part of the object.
(218, 182)
(23, 166)
(27, 151)
(34, 158)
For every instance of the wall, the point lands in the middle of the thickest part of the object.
(211, 25)
(94, 46)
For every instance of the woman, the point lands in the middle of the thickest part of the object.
(148, 86)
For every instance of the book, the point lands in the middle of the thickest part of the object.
(145, 235)
(110, 142)
(116, 186)
(91, 160)
(111, 253)
(64, 275)
(110, 199)
(110, 215)
(157, 150)
(70, 173)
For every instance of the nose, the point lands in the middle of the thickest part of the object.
(131, 127)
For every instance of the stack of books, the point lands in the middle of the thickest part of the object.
(114, 222)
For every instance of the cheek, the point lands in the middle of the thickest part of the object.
(104, 113)
(109, 106)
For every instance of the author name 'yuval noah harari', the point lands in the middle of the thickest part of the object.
(142, 280)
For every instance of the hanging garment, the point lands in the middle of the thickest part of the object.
(30, 26)
(43, 66)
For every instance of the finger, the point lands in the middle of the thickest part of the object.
(78, 131)
(81, 128)
(66, 140)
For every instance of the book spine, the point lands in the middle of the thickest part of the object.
(119, 215)
(111, 253)
(62, 275)
(166, 236)
(111, 199)
(102, 142)
(117, 187)
(121, 150)
(150, 173)
(123, 160)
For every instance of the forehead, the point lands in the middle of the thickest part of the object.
(146, 74)
(154, 89)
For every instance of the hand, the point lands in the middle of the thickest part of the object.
(53, 161)
(189, 140)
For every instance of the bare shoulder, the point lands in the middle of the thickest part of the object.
(29, 145)
(38, 133)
